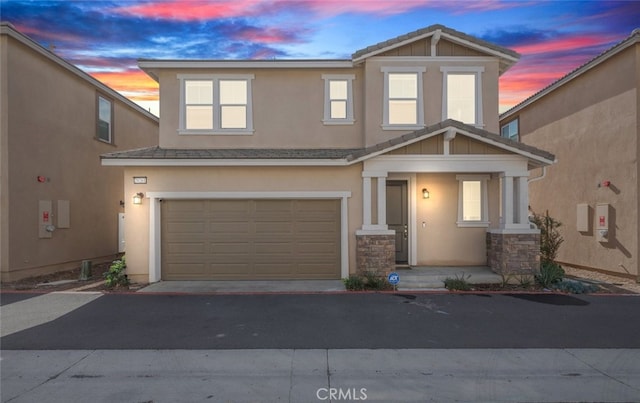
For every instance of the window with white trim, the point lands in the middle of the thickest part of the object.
(218, 104)
(338, 98)
(462, 94)
(510, 130)
(473, 209)
(104, 129)
(403, 98)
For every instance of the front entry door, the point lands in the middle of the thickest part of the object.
(397, 217)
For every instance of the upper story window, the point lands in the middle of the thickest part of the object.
(403, 98)
(462, 94)
(215, 104)
(104, 129)
(338, 98)
(473, 209)
(510, 130)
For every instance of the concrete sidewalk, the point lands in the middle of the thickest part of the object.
(244, 286)
(543, 375)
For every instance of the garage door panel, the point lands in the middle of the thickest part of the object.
(250, 239)
(228, 228)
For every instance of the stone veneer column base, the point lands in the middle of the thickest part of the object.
(513, 253)
(375, 253)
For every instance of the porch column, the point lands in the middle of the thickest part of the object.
(366, 201)
(375, 243)
(523, 198)
(507, 201)
(381, 199)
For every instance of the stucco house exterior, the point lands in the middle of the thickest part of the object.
(590, 119)
(318, 169)
(58, 205)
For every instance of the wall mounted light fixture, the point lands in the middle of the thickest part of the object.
(425, 193)
(137, 198)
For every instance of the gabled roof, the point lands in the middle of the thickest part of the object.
(9, 30)
(507, 57)
(313, 156)
(634, 38)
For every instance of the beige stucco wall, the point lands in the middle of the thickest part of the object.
(231, 179)
(432, 92)
(288, 105)
(288, 108)
(591, 125)
(49, 125)
(440, 241)
(4, 156)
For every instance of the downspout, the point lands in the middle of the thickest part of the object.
(434, 42)
(537, 178)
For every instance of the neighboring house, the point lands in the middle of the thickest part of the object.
(322, 168)
(590, 119)
(58, 205)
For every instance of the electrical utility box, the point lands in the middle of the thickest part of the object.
(603, 224)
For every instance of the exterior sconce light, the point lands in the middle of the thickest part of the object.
(137, 198)
(425, 193)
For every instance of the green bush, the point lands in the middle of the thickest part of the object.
(116, 275)
(353, 283)
(575, 287)
(459, 283)
(550, 273)
(550, 238)
(368, 281)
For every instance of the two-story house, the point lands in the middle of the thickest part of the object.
(58, 205)
(316, 169)
(590, 119)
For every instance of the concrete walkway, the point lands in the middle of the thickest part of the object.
(470, 375)
(414, 278)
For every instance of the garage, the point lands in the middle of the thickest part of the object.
(258, 239)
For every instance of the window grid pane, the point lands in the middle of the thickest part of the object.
(338, 109)
(471, 201)
(233, 117)
(403, 112)
(199, 117)
(199, 92)
(233, 92)
(461, 97)
(338, 90)
(403, 86)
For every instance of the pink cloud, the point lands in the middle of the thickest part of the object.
(137, 83)
(190, 10)
(563, 44)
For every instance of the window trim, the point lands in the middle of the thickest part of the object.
(464, 70)
(515, 120)
(216, 129)
(419, 72)
(484, 201)
(100, 96)
(327, 119)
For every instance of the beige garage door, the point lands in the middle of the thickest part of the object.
(250, 239)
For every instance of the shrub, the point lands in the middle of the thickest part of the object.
(368, 281)
(116, 275)
(575, 287)
(353, 283)
(458, 283)
(550, 237)
(550, 273)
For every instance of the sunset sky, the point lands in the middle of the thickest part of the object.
(105, 38)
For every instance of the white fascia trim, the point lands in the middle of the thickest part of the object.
(238, 64)
(447, 163)
(506, 147)
(250, 195)
(155, 227)
(149, 162)
(474, 45)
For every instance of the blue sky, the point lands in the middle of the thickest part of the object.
(105, 38)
